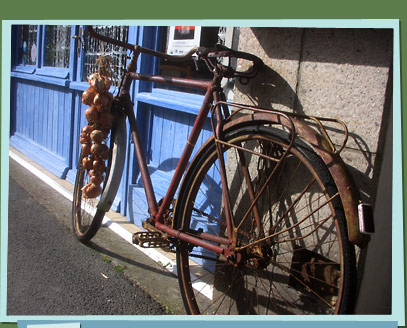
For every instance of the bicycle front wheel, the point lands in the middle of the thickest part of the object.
(88, 213)
(290, 252)
(86, 219)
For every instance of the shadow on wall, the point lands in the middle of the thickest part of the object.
(278, 91)
(296, 56)
(366, 47)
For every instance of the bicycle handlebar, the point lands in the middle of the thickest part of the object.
(218, 52)
(221, 51)
(89, 30)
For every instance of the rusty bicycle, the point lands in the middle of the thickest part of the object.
(264, 219)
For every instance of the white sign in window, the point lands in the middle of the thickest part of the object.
(181, 39)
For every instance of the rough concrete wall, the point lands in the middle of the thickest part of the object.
(339, 73)
(344, 74)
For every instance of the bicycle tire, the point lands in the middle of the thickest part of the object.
(88, 213)
(288, 273)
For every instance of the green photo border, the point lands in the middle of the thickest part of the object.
(303, 13)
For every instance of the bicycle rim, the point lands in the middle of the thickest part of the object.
(294, 256)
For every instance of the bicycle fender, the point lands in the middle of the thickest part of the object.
(118, 158)
(348, 192)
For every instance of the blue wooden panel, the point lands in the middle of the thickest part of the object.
(43, 124)
(170, 130)
(179, 101)
(78, 123)
(19, 73)
(169, 133)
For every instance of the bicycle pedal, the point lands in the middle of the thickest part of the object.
(148, 239)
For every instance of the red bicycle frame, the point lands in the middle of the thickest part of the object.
(215, 99)
(212, 92)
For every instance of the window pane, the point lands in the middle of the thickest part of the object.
(28, 45)
(95, 48)
(57, 45)
(178, 40)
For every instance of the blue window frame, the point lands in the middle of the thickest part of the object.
(43, 50)
(55, 56)
(25, 48)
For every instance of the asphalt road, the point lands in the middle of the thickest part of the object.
(50, 273)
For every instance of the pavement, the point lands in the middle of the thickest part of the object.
(50, 271)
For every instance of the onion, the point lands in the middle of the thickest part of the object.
(91, 114)
(102, 83)
(97, 179)
(97, 149)
(91, 190)
(87, 129)
(91, 78)
(84, 138)
(85, 149)
(92, 173)
(88, 96)
(101, 101)
(87, 163)
(105, 120)
(97, 136)
(98, 166)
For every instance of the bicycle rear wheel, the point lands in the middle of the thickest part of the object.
(88, 213)
(291, 253)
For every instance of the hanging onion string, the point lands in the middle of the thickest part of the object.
(93, 136)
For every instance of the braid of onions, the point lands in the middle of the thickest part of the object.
(94, 135)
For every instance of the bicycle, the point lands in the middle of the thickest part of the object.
(266, 218)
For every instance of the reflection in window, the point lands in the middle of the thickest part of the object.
(57, 46)
(28, 45)
(95, 48)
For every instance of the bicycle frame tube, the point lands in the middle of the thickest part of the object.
(159, 213)
(183, 162)
(190, 143)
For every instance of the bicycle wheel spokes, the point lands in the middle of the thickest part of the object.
(287, 248)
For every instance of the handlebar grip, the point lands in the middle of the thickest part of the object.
(223, 51)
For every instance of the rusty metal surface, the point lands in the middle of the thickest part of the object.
(323, 146)
(178, 81)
